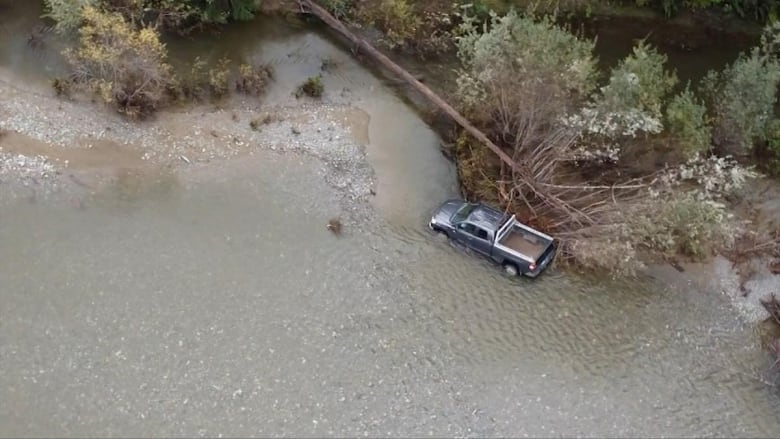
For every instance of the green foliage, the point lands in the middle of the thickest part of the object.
(742, 96)
(125, 66)
(208, 11)
(340, 9)
(312, 87)
(62, 87)
(631, 103)
(219, 76)
(482, 10)
(399, 21)
(687, 121)
(684, 224)
(638, 83)
(194, 84)
(524, 52)
(179, 15)
(253, 79)
(66, 13)
(772, 165)
(773, 135)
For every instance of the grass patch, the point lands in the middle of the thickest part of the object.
(219, 77)
(253, 79)
(312, 87)
(62, 87)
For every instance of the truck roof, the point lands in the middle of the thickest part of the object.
(487, 218)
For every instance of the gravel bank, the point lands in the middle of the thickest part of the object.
(26, 176)
(176, 139)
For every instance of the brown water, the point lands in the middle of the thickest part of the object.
(221, 305)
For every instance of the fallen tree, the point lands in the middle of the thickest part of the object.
(310, 7)
(559, 146)
(535, 172)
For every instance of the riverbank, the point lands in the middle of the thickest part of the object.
(73, 149)
(77, 148)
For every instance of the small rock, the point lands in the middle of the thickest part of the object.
(334, 225)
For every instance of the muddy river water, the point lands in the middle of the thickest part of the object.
(220, 305)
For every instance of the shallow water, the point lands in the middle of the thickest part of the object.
(215, 302)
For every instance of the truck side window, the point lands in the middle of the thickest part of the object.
(482, 234)
(466, 227)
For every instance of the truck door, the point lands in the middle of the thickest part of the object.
(473, 237)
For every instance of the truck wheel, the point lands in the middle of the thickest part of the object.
(510, 269)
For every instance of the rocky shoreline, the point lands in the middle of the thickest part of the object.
(50, 146)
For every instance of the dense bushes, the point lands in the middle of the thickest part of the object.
(742, 97)
(176, 15)
(760, 10)
(120, 56)
(532, 86)
(67, 14)
(630, 105)
(521, 55)
(123, 65)
(687, 121)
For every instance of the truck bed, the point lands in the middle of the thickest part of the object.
(525, 243)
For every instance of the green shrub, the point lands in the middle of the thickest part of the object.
(340, 9)
(194, 84)
(772, 165)
(520, 52)
(687, 121)
(312, 87)
(219, 77)
(639, 83)
(629, 105)
(62, 87)
(742, 99)
(399, 21)
(253, 79)
(125, 66)
(68, 14)
(179, 15)
(683, 224)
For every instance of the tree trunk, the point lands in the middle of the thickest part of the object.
(313, 8)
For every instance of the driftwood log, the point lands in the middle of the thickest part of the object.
(772, 306)
(308, 6)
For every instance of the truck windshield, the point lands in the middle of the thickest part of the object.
(463, 213)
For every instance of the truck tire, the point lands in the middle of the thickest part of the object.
(511, 269)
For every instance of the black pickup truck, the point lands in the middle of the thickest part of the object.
(517, 247)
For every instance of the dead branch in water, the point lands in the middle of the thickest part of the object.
(772, 306)
(539, 156)
(313, 8)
